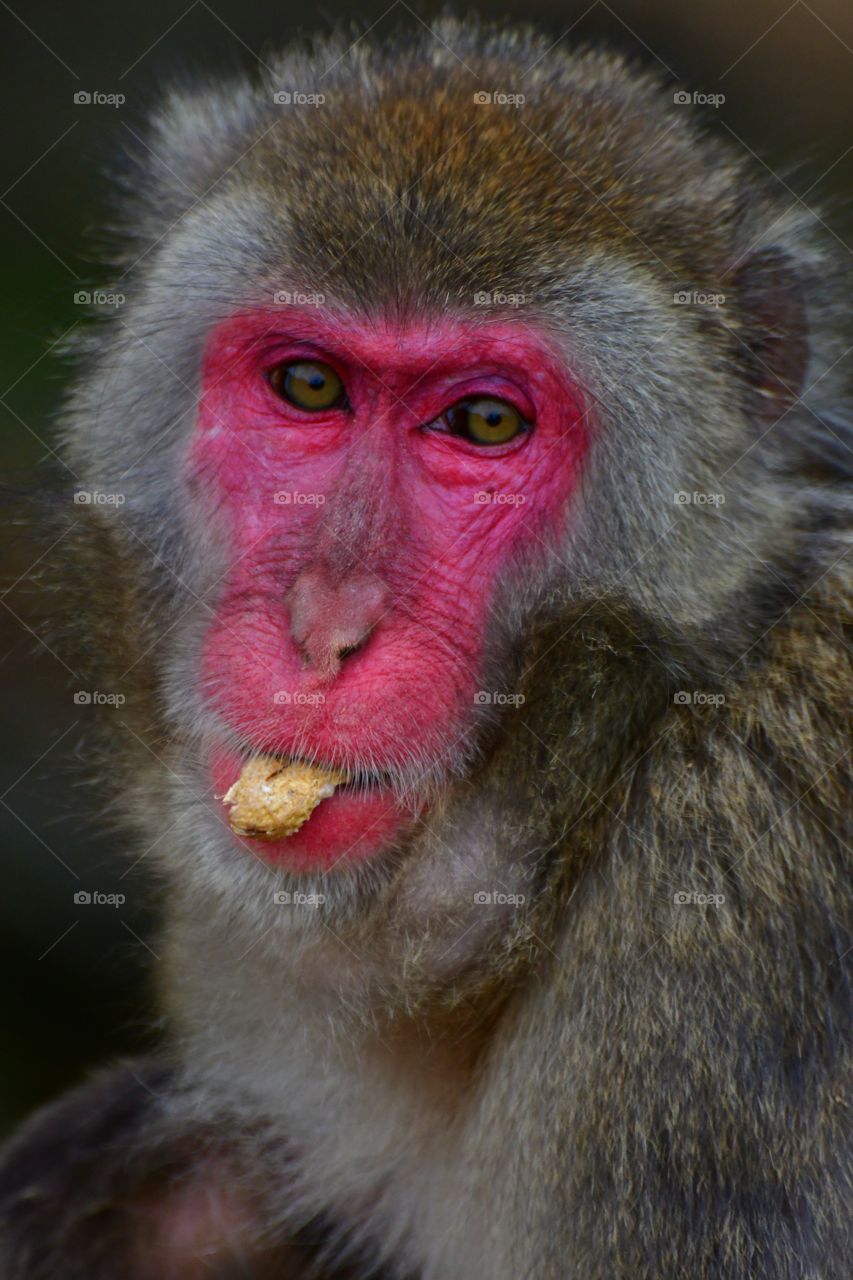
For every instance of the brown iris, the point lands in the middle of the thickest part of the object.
(485, 421)
(308, 384)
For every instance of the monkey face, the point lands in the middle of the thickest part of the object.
(377, 481)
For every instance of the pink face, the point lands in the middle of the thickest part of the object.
(368, 537)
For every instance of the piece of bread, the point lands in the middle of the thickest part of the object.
(273, 798)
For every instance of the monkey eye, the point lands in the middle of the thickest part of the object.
(308, 384)
(485, 421)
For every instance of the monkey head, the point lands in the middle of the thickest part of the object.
(421, 397)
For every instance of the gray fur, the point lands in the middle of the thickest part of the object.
(588, 1081)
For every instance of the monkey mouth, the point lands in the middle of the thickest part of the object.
(353, 781)
(362, 781)
(290, 811)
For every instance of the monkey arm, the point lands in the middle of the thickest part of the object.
(116, 1181)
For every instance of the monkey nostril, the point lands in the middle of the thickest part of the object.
(330, 620)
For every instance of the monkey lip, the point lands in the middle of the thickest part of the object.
(363, 816)
(354, 782)
(362, 782)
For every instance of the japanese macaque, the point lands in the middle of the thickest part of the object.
(480, 602)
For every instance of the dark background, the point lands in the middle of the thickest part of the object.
(75, 977)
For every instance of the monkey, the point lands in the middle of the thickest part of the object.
(483, 431)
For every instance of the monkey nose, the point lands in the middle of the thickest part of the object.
(332, 618)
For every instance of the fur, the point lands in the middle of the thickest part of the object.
(584, 1078)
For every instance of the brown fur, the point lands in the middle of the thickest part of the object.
(596, 1082)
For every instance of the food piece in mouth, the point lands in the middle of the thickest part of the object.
(273, 798)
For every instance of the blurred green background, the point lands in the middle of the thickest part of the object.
(75, 976)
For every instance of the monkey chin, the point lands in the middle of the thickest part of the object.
(347, 827)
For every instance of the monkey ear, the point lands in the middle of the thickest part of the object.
(774, 331)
